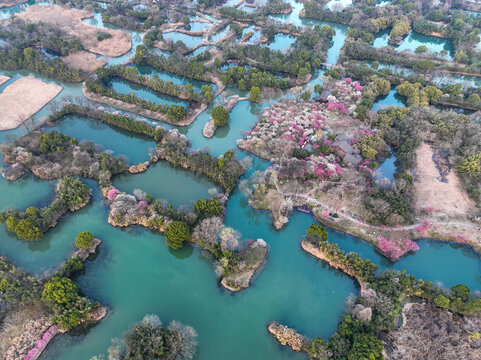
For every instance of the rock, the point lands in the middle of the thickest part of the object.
(209, 129)
(287, 336)
(83, 254)
(134, 169)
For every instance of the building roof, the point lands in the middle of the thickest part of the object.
(352, 159)
(325, 94)
(344, 145)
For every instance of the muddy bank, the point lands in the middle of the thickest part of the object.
(3, 79)
(22, 99)
(8, 3)
(288, 337)
(316, 252)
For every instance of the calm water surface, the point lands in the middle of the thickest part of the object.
(135, 272)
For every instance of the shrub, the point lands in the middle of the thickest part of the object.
(176, 233)
(26, 230)
(84, 240)
(208, 207)
(60, 291)
(317, 230)
(220, 115)
(102, 35)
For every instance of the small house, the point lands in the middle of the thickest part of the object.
(324, 96)
(342, 147)
(352, 159)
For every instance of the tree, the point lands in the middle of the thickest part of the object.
(176, 233)
(208, 207)
(421, 49)
(317, 230)
(441, 301)
(26, 230)
(84, 240)
(220, 115)
(461, 291)
(306, 96)
(60, 291)
(255, 94)
(473, 99)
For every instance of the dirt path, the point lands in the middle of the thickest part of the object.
(70, 21)
(22, 99)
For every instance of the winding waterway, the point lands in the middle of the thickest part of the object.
(136, 273)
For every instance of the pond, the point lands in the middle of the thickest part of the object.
(338, 5)
(121, 142)
(163, 181)
(393, 98)
(127, 87)
(386, 169)
(199, 25)
(220, 34)
(434, 44)
(282, 42)
(137, 274)
(189, 40)
(176, 79)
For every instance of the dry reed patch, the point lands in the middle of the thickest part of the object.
(70, 21)
(444, 197)
(22, 99)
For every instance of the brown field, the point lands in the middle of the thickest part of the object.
(22, 99)
(430, 191)
(70, 21)
(7, 3)
(3, 79)
(84, 60)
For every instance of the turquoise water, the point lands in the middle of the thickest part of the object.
(176, 79)
(387, 168)
(257, 33)
(200, 50)
(434, 44)
(127, 87)
(337, 5)
(282, 42)
(199, 26)
(220, 34)
(84, 128)
(135, 272)
(414, 39)
(393, 98)
(162, 181)
(189, 40)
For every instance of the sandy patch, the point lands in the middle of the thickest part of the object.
(23, 98)
(3, 79)
(70, 21)
(7, 3)
(445, 197)
(84, 60)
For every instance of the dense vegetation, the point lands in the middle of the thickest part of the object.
(357, 336)
(121, 121)
(30, 224)
(223, 172)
